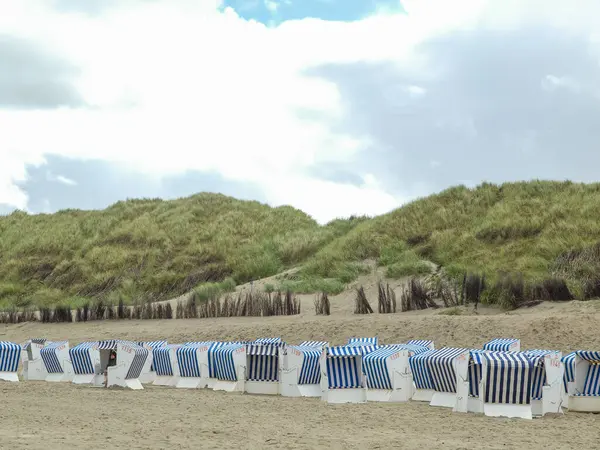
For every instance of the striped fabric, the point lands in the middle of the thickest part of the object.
(508, 378)
(125, 342)
(475, 372)
(345, 350)
(421, 342)
(199, 344)
(499, 344)
(212, 351)
(310, 372)
(246, 343)
(342, 350)
(538, 370)
(212, 362)
(363, 341)
(81, 359)
(139, 358)
(162, 360)
(152, 345)
(441, 369)
(263, 368)
(569, 362)
(343, 369)
(224, 365)
(255, 349)
(10, 355)
(588, 356)
(272, 341)
(25, 345)
(538, 352)
(591, 385)
(187, 358)
(314, 344)
(109, 344)
(365, 349)
(263, 360)
(137, 365)
(50, 358)
(420, 370)
(538, 378)
(413, 349)
(376, 369)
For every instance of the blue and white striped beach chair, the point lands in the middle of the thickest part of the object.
(585, 376)
(10, 355)
(301, 370)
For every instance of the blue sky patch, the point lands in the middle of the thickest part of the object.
(273, 12)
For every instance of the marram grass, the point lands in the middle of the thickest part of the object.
(138, 250)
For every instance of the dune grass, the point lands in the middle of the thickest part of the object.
(154, 249)
(141, 249)
(524, 228)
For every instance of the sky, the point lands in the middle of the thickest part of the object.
(336, 107)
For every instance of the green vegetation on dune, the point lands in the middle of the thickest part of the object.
(154, 249)
(140, 249)
(515, 228)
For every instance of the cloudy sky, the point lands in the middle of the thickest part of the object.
(336, 107)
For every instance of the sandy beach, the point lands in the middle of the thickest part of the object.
(39, 415)
(48, 416)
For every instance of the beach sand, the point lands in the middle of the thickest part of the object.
(38, 415)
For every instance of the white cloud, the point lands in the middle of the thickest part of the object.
(61, 179)
(65, 180)
(416, 91)
(552, 82)
(327, 200)
(12, 171)
(557, 83)
(176, 85)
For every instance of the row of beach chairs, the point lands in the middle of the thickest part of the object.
(498, 379)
